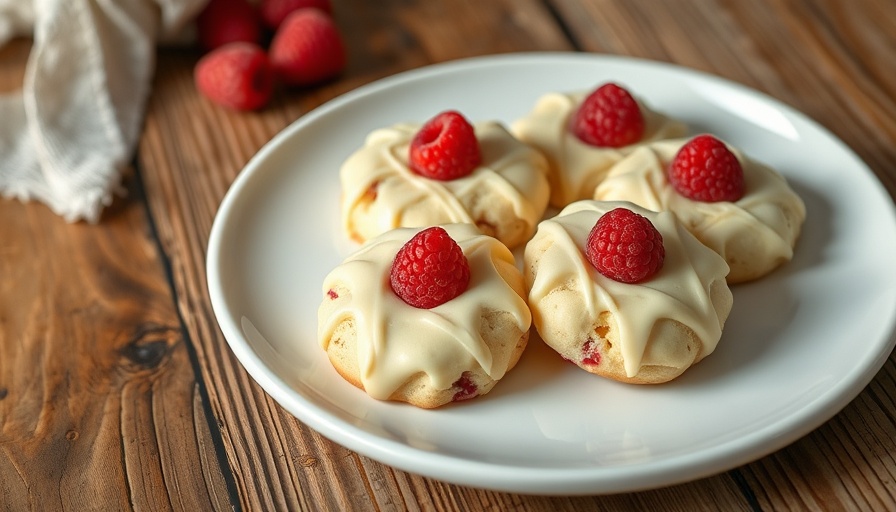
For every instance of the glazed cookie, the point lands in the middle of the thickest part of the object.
(425, 316)
(746, 212)
(625, 293)
(583, 135)
(445, 171)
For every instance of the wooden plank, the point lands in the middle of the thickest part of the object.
(98, 400)
(99, 403)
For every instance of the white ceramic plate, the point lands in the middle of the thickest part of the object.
(799, 345)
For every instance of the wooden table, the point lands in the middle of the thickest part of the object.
(118, 391)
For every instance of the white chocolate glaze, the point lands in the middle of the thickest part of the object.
(576, 167)
(754, 234)
(680, 291)
(397, 341)
(511, 172)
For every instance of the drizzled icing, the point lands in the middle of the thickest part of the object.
(397, 341)
(509, 169)
(769, 215)
(576, 167)
(680, 291)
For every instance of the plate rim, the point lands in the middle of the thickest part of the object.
(527, 480)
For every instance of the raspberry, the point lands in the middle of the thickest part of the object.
(445, 148)
(430, 269)
(609, 117)
(227, 21)
(236, 75)
(467, 389)
(590, 354)
(625, 246)
(705, 170)
(273, 12)
(307, 48)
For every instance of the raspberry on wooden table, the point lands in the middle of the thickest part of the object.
(430, 269)
(704, 169)
(608, 117)
(236, 75)
(227, 21)
(273, 12)
(307, 48)
(445, 148)
(625, 246)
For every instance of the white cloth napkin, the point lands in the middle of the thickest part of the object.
(68, 134)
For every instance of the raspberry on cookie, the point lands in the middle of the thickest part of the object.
(740, 208)
(425, 316)
(625, 293)
(445, 148)
(609, 117)
(429, 270)
(705, 170)
(583, 134)
(625, 247)
(446, 170)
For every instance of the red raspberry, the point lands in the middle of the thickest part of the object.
(236, 75)
(430, 269)
(466, 388)
(227, 21)
(445, 148)
(609, 117)
(705, 170)
(307, 48)
(273, 12)
(590, 354)
(625, 246)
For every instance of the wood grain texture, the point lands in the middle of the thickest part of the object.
(99, 405)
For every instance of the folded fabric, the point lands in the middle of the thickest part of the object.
(68, 134)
